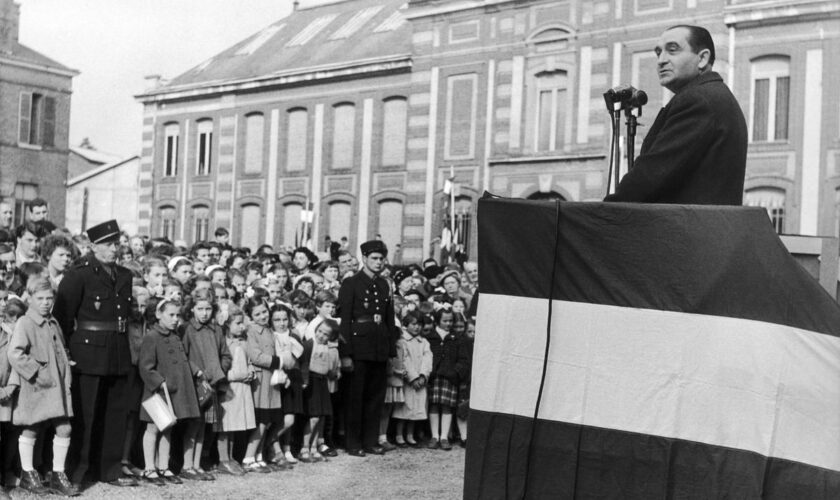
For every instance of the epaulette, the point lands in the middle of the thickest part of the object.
(81, 263)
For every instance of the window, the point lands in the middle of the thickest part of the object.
(393, 131)
(291, 224)
(390, 222)
(254, 132)
(770, 98)
(204, 145)
(344, 135)
(249, 224)
(771, 199)
(339, 220)
(170, 149)
(296, 140)
(551, 88)
(200, 222)
(24, 193)
(166, 217)
(36, 119)
(459, 136)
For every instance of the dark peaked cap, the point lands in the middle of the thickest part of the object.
(104, 233)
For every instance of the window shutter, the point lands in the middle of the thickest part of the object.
(48, 134)
(25, 115)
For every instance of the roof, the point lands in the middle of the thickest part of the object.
(23, 54)
(308, 40)
(94, 155)
(103, 168)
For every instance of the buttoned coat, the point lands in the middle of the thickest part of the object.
(449, 358)
(695, 151)
(36, 353)
(88, 293)
(261, 353)
(163, 359)
(359, 299)
(206, 348)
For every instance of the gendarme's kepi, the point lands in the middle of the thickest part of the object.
(106, 232)
(374, 246)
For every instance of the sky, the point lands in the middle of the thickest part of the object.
(116, 43)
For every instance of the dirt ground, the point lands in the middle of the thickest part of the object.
(415, 474)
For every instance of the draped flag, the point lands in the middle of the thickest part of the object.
(676, 352)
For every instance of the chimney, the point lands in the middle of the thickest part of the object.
(295, 5)
(9, 25)
(154, 81)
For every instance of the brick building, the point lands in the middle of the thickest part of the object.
(34, 121)
(361, 110)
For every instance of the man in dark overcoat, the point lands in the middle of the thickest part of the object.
(368, 338)
(696, 149)
(92, 305)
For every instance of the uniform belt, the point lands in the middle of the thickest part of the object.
(376, 318)
(102, 326)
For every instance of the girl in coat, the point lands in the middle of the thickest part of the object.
(448, 364)
(7, 388)
(39, 359)
(415, 356)
(267, 398)
(320, 365)
(206, 348)
(164, 361)
(236, 402)
(289, 349)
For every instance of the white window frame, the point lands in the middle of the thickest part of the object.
(171, 131)
(771, 68)
(204, 130)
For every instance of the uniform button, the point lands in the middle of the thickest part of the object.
(118, 307)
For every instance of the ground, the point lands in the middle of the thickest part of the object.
(415, 474)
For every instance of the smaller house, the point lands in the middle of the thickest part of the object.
(106, 192)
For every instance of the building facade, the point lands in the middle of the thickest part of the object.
(34, 121)
(348, 119)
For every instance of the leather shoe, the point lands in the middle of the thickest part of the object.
(387, 446)
(356, 453)
(124, 481)
(31, 482)
(375, 450)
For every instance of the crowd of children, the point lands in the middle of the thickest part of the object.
(245, 346)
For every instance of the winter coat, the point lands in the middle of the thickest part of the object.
(163, 359)
(206, 347)
(36, 352)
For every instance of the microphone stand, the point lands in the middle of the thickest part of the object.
(616, 117)
(631, 134)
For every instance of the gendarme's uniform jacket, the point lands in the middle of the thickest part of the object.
(367, 328)
(92, 309)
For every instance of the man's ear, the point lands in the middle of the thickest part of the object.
(703, 64)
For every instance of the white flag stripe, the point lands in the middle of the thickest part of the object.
(744, 384)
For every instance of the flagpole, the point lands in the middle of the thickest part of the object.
(452, 209)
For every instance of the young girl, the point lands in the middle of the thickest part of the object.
(7, 391)
(181, 270)
(467, 337)
(236, 402)
(154, 273)
(206, 348)
(290, 349)
(321, 364)
(38, 357)
(163, 361)
(416, 358)
(394, 396)
(267, 398)
(137, 327)
(448, 365)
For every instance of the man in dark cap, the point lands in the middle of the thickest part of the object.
(92, 305)
(368, 338)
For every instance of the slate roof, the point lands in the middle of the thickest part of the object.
(24, 54)
(309, 39)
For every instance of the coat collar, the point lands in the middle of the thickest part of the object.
(37, 318)
(707, 77)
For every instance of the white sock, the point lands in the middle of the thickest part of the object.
(383, 438)
(60, 447)
(26, 447)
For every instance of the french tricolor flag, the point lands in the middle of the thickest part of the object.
(649, 352)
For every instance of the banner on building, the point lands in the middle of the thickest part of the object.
(666, 352)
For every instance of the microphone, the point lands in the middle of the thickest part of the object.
(628, 96)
